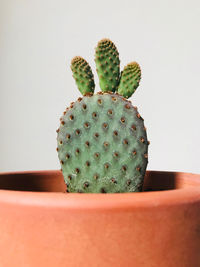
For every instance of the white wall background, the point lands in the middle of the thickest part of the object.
(38, 38)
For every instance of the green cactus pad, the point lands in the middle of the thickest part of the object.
(102, 145)
(83, 75)
(107, 65)
(130, 79)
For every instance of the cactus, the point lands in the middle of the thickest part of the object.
(83, 75)
(102, 140)
(107, 65)
(130, 79)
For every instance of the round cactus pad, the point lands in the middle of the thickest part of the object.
(102, 145)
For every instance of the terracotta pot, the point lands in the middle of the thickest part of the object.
(49, 228)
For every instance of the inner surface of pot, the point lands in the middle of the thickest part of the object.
(52, 181)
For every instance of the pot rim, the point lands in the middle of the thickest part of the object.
(112, 201)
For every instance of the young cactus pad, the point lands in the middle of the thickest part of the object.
(107, 65)
(130, 79)
(102, 142)
(102, 145)
(83, 75)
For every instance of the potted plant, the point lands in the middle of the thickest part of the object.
(108, 210)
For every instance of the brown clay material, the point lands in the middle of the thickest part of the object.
(52, 229)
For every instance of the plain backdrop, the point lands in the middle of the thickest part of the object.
(38, 39)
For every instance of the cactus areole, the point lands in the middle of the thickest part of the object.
(102, 140)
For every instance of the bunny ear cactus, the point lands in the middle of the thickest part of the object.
(102, 140)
